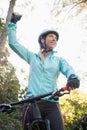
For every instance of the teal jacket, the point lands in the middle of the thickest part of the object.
(43, 76)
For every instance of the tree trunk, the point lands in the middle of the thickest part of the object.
(3, 37)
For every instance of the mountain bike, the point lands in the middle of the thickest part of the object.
(38, 123)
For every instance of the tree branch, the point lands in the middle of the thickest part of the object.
(75, 4)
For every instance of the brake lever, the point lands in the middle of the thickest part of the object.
(61, 94)
(55, 95)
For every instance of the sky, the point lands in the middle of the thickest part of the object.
(30, 26)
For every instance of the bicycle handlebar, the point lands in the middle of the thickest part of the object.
(6, 108)
(53, 95)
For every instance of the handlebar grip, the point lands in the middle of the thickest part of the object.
(6, 108)
(65, 89)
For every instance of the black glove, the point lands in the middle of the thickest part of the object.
(73, 82)
(15, 17)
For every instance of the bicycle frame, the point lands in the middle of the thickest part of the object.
(45, 123)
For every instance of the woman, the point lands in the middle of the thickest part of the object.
(45, 68)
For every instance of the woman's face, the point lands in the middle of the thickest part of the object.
(51, 41)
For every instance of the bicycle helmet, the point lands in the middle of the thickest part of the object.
(43, 35)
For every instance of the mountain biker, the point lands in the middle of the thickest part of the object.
(44, 71)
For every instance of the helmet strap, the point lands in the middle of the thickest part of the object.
(46, 50)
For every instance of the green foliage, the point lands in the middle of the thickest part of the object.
(11, 121)
(9, 84)
(74, 108)
(9, 90)
(1, 25)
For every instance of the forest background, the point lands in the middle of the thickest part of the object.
(69, 17)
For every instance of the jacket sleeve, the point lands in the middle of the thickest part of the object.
(66, 68)
(23, 52)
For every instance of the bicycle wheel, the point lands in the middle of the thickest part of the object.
(40, 125)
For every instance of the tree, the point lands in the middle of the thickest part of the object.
(7, 72)
(4, 30)
(9, 83)
(74, 109)
(67, 6)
